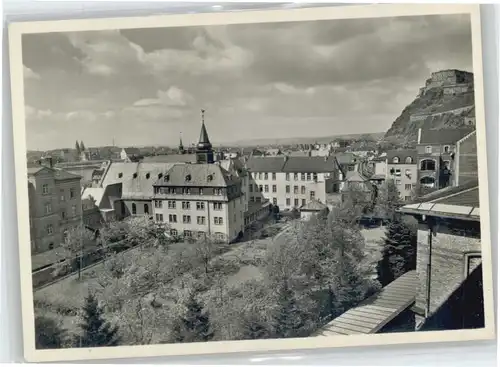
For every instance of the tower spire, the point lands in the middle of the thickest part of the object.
(181, 146)
(204, 152)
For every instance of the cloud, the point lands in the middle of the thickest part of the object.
(30, 74)
(173, 96)
(33, 113)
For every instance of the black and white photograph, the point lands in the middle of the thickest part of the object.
(307, 178)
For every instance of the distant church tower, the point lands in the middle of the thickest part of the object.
(204, 152)
(181, 146)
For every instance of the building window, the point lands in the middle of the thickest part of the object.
(220, 236)
(63, 197)
(428, 149)
(407, 198)
(159, 217)
(266, 188)
(315, 177)
(188, 234)
(287, 201)
(48, 208)
(171, 204)
(172, 218)
(200, 220)
(312, 195)
(158, 204)
(295, 189)
(287, 189)
(446, 149)
(407, 187)
(308, 177)
(258, 199)
(275, 188)
(265, 176)
(446, 165)
(260, 175)
(303, 202)
(186, 205)
(302, 176)
(428, 165)
(186, 219)
(427, 181)
(120, 175)
(45, 189)
(63, 215)
(200, 205)
(260, 188)
(252, 199)
(409, 160)
(51, 246)
(287, 177)
(218, 192)
(218, 220)
(173, 232)
(296, 176)
(395, 160)
(217, 206)
(274, 176)
(50, 229)
(398, 182)
(146, 209)
(296, 202)
(275, 201)
(200, 191)
(302, 190)
(250, 188)
(134, 208)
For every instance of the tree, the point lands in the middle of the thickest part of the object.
(96, 332)
(388, 201)
(205, 248)
(399, 251)
(48, 333)
(194, 324)
(77, 148)
(78, 240)
(290, 319)
(82, 147)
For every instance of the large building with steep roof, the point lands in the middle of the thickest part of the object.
(54, 205)
(292, 182)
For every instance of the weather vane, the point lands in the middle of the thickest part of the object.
(202, 116)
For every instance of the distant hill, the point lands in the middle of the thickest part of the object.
(446, 101)
(319, 139)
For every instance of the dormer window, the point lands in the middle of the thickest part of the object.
(408, 160)
(188, 178)
(120, 175)
(428, 149)
(160, 175)
(135, 175)
(167, 178)
(147, 176)
(446, 149)
(395, 160)
(209, 178)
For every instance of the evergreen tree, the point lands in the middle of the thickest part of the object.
(388, 201)
(194, 325)
(49, 335)
(77, 148)
(96, 332)
(290, 319)
(399, 251)
(82, 147)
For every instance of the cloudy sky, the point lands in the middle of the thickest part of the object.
(145, 86)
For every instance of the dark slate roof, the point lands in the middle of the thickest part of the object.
(204, 142)
(171, 158)
(134, 151)
(200, 175)
(402, 154)
(443, 136)
(292, 164)
(34, 170)
(346, 158)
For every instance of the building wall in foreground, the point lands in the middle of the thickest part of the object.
(453, 257)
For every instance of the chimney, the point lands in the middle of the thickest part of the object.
(419, 135)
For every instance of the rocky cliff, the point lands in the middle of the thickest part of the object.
(446, 101)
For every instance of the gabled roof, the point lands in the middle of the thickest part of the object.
(197, 175)
(346, 158)
(443, 136)
(402, 154)
(132, 151)
(234, 166)
(59, 174)
(313, 206)
(171, 158)
(292, 164)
